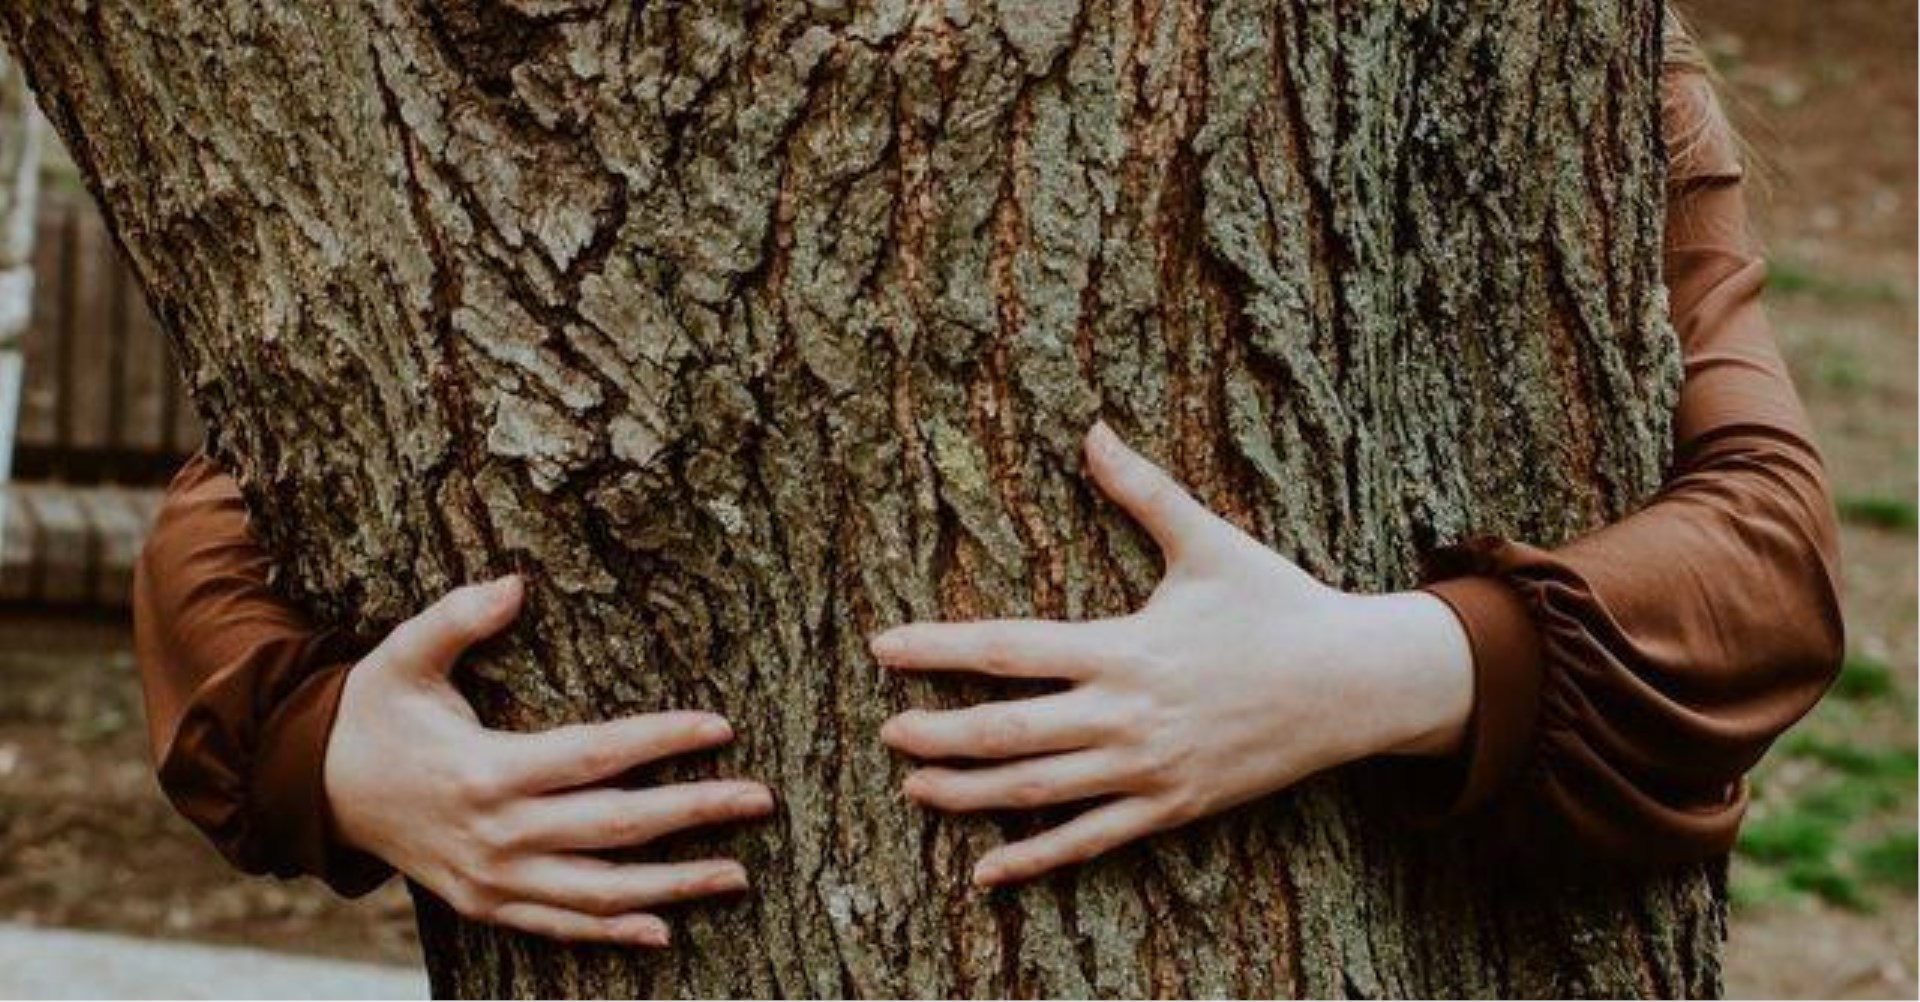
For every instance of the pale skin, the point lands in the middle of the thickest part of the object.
(1239, 677)
(503, 826)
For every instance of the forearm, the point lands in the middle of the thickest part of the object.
(1426, 666)
(240, 689)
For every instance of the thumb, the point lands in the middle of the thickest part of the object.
(430, 644)
(1170, 515)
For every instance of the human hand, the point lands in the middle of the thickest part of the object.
(501, 825)
(1240, 676)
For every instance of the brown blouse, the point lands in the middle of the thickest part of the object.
(1628, 680)
(1625, 681)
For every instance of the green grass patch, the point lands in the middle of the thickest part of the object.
(1849, 798)
(1887, 764)
(1829, 839)
(1828, 882)
(1789, 837)
(1797, 278)
(1892, 860)
(1755, 887)
(1863, 678)
(1841, 372)
(1880, 512)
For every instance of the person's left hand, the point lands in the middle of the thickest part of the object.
(1240, 676)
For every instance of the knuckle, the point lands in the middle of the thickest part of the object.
(600, 757)
(713, 804)
(602, 898)
(494, 835)
(473, 901)
(1072, 849)
(1178, 808)
(1153, 772)
(997, 656)
(625, 827)
(482, 879)
(1156, 494)
(478, 781)
(934, 787)
(1024, 863)
(698, 882)
(1002, 734)
(1160, 498)
(1031, 793)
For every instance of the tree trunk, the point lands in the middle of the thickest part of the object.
(748, 329)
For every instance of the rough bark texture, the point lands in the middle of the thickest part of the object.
(747, 329)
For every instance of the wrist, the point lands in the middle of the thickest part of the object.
(1423, 670)
(338, 806)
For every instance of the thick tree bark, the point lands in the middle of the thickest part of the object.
(748, 329)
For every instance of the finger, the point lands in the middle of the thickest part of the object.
(1170, 515)
(1016, 648)
(578, 754)
(1057, 722)
(611, 819)
(431, 643)
(561, 924)
(597, 887)
(1038, 782)
(1097, 831)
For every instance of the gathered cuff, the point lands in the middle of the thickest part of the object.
(288, 791)
(1508, 667)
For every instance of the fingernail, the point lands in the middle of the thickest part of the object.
(915, 787)
(716, 729)
(505, 589)
(988, 872)
(754, 801)
(890, 731)
(730, 877)
(1102, 437)
(885, 645)
(650, 931)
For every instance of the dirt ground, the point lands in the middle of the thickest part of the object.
(1824, 92)
(87, 841)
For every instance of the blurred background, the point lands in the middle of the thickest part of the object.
(1823, 881)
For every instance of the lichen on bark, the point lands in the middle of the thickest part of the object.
(747, 329)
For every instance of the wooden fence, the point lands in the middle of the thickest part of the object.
(101, 399)
(102, 421)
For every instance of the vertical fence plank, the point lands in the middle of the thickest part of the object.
(118, 528)
(144, 415)
(19, 547)
(39, 425)
(66, 545)
(92, 353)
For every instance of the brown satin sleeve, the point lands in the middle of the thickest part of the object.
(240, 689)
(1627, 681)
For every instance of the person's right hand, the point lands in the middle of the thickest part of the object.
(502, 825)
